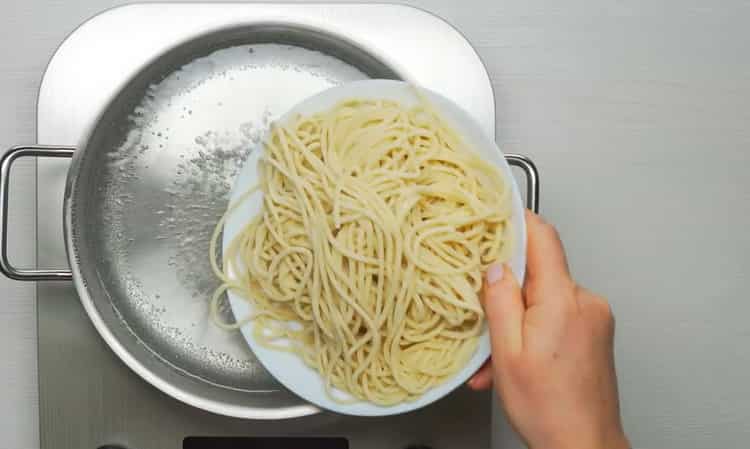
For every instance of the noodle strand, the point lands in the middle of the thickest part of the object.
(366, 259)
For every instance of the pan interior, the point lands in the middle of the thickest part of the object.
(154, 179)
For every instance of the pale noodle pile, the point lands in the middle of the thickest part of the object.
(376, 226)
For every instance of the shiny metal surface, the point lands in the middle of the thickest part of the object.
(223, 387)
(532, 179)
(145, 192)
(6, 266)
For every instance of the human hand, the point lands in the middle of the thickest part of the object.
(552, 351)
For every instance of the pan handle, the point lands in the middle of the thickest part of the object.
(5, 164)
(532, 179)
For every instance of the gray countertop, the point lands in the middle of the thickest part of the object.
(636, 113)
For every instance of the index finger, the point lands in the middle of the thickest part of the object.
(546, 263)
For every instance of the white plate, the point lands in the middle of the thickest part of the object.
(289, 369)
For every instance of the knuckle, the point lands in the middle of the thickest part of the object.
(524, 372)
(552, 230)
(520, 365)
(600, 310)
(605, 312)
(579, 291)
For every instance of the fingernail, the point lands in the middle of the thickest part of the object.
(494, 273)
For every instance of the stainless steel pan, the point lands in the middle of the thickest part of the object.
(146, 187)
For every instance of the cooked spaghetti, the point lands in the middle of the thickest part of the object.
(367, 257)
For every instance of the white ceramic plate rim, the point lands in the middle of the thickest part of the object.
(288, 368)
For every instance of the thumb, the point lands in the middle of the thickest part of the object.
(504, 307)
